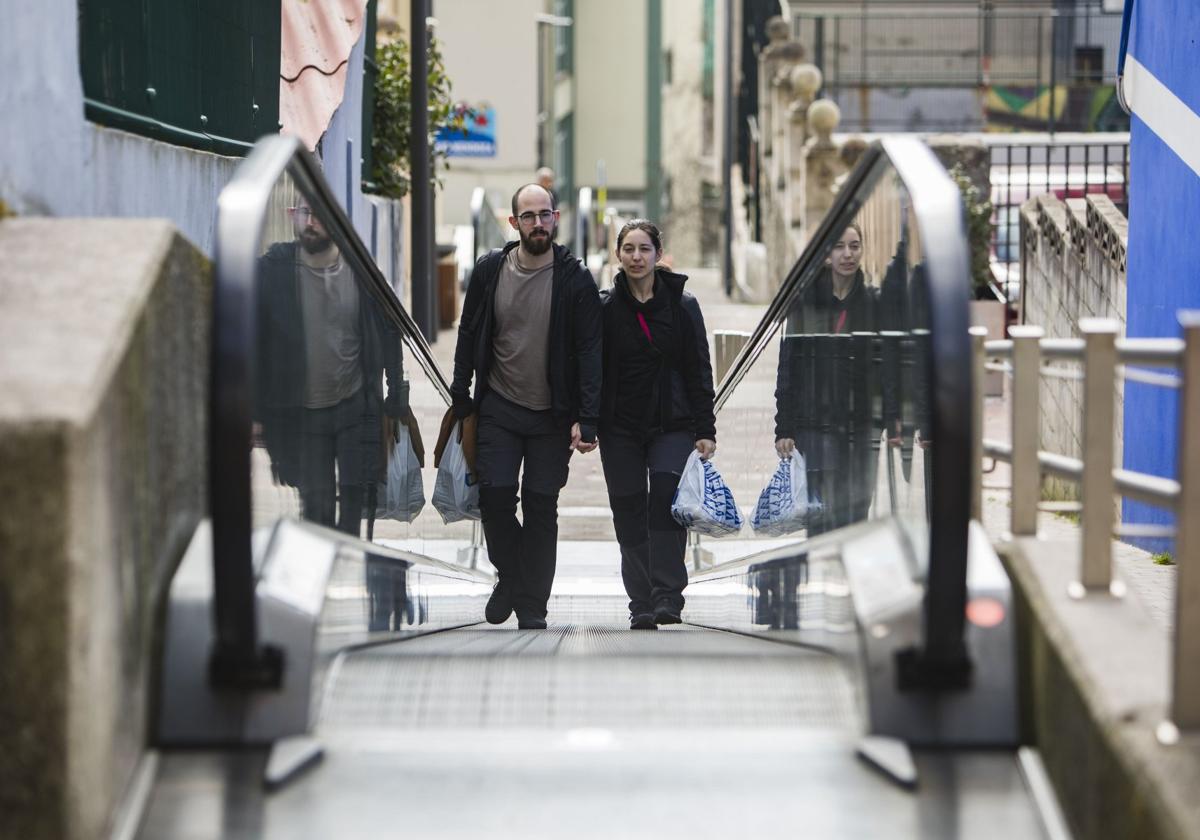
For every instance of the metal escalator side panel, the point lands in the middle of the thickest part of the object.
(316, 597)
(866, 344)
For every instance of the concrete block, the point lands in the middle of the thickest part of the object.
(1094, 683)
(104, 343)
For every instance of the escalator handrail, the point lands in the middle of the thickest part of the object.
(241, 219)
(938, 208)
(483, 214)
(583, 223)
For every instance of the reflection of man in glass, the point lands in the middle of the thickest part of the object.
(323, 349)
(827, 388)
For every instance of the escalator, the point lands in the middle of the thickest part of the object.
(325, 669)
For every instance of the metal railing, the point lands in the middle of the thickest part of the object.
(936, 205)
(876, 46)
(239, 660)
(1066, 166)
(1102, 356)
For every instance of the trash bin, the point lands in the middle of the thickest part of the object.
(447, 281)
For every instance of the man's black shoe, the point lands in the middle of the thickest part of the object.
(666, 614)
(499, 606)
(530, 623)
(642, 621)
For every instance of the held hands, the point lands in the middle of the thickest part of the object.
(577, 442)
(706, 448)
(784, 447)
(893, 434)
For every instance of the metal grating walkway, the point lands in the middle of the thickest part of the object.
(586, 675)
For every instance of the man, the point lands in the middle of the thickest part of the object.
(530, 337)
(323, 349)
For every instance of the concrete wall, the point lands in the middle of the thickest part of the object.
(1093, 680)
(1072, 267)
(103, 460)
(54, 162)
(1164, 202)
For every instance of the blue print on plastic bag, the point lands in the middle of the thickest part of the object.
(784, 505)
(705, 505)
(718, 500)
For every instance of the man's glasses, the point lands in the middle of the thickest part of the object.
(545, 217)
(303, 214)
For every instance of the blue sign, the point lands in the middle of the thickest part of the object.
(471, 133)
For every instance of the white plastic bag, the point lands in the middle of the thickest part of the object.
(784, 505)
(455, 493)
(403, 495)
(702, 502)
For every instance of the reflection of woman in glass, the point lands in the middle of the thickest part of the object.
(826, 389)
(656, 407)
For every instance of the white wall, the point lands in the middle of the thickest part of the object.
(490, 54)
(610, 92)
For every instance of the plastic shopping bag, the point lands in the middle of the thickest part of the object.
(784, 505)
(403, 495)
(455, 493)
(702, 502)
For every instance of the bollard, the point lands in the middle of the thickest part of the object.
(727, 345)
(1097, 488)
(1026, 429)
(978, 336)
(1185, 695)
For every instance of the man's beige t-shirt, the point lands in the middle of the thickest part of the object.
(520, 340)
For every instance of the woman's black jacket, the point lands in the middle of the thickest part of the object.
(573, 362)
(668, 382)
(827, 378)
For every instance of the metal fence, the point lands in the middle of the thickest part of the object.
(203, 74)
(928, 48)
(1096, 359)
(1066, 166)
(1012, 69)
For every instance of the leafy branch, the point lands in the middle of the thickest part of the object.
(391, 170)
(977, 208)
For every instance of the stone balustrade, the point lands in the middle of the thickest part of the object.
(1072, 267)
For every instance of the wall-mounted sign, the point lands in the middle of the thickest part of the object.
(471, 132)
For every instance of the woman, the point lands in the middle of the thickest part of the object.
(826, 390)
(656, 407)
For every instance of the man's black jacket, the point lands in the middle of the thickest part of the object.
(574, 359)
(280, 368)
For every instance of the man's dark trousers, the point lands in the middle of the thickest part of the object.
(523, 554)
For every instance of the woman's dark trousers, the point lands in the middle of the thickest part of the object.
(524, 553)
(642, 475)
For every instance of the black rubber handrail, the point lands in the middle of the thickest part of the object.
(937, 205)
(238, 660)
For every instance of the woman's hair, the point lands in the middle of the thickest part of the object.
(645, 225)
(857, 228)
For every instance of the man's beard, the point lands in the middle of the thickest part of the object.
(315, 243)
(540, 245)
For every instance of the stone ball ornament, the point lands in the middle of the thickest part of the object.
(806, 80)
(823, 117)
